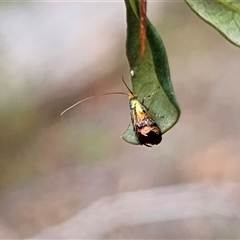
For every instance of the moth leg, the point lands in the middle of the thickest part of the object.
(148, 96)
(158, 115)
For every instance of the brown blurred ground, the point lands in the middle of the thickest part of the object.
(52, 167)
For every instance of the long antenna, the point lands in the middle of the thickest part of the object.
(127, 86)
(85, 99)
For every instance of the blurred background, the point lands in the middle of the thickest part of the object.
(54, 168)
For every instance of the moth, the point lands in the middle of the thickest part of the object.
(146, 130)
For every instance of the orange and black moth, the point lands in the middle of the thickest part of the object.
(147, 132)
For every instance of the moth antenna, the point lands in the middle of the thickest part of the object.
(85, 99)
(127, 86)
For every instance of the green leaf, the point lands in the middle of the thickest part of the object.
(223, 15)
(151, 74)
